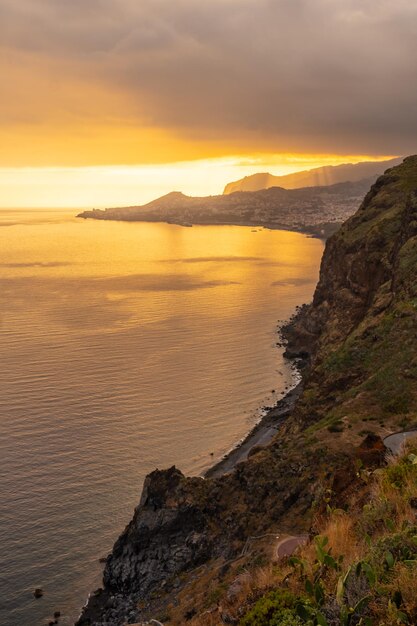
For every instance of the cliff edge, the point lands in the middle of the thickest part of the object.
(359, 328)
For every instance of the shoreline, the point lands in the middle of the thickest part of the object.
(260, 435)
(268, 426)
(321, 230)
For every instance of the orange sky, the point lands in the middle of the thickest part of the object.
(75, 143)
(116, 185)
(218, 90)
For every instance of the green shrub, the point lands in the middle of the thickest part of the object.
(401, 475)
(375, 516)
(276, 608)
(400, 546)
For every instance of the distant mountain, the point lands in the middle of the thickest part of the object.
(328, 175)
(314, 210)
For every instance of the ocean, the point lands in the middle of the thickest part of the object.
(125, 347)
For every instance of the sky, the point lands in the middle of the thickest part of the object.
(148, 93)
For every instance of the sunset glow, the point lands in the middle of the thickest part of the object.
(155, 96)
(208, 262)
(117, 185)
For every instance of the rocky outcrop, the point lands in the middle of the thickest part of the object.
(372, 451)
(182, 522)
(166, 535)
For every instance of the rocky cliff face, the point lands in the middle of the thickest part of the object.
(182, 523)
(173, 508)
(365, 307)
(359, 333)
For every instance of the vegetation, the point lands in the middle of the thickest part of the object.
(366, 363)
(360, 566)
(277, 608)
(359, 570)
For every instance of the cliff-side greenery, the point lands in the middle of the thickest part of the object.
(360, 570)
(366, 363)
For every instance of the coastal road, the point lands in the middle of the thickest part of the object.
(286, 546)
(396, 441)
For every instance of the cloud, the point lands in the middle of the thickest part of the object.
(288, 75)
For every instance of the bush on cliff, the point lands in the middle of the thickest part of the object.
(361, 570)
(276, 608)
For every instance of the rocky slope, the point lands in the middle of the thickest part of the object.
(182, 523)
(328, 175)
(318, 211)
(360, 325)
(359, 336)
(359, 569)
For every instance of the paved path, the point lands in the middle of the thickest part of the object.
(395, 442)
(288, 545)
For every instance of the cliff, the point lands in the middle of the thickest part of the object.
(186, 547)
(327, 175)
(183, 523)
(360, 325)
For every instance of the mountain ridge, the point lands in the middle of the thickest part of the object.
(319, 176)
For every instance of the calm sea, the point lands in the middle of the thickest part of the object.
(125, 347)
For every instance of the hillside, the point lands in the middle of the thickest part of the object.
(207, 551)
(360, 324)
(328, 175)
(318, 211)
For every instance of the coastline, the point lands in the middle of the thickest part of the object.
(260, 435)
(318, 231)
(268, 426)
(100, 602)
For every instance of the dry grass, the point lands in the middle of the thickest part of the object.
(209, 618)
(217, 596)
(244, 587)
(342, 539)
(404, 581)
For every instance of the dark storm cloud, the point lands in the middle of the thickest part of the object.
(294, 74)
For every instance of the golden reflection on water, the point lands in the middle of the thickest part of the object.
(183, 313)
(124, 347)
(136, 269)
